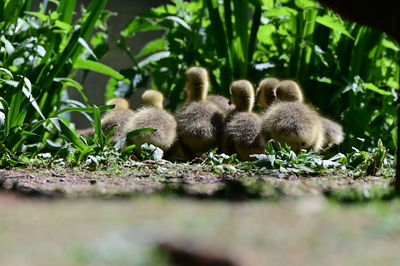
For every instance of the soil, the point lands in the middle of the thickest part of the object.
(191, 180)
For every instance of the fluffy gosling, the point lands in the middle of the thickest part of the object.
(289, 91)
(152, 115)
(333, 133)
(295, 124)
(265, 93)
(115, 117)
(199, 121)
(242, 129)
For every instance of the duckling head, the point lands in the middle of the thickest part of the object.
(288, 91)
(242, 95)
(153, 98)
(120, 103)
(265, 91)
(196, 83)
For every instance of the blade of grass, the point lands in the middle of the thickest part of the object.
(228, 19)
(66, 10)
(140, 131)
(68, 134)
(97, 126)
(241, 11)
(100, 68)
(254, 30)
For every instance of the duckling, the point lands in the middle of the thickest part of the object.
(265, 93)
(199, 121)
(295, 124)
(117, 116)
(290, 91)
(333, 133)
(222, 102)
(242, 129)
(152, 115)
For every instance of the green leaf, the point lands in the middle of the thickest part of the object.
(390, 44)
(139, 25)
(40, 15)
(281, 11)
(8, 72)
(154, 58)
(27, 90)
(67, 82)
(334, 23)
(84, 109)
(15, 107)
(92, 14)
(303, 4)
(152, 47)
(140, 131)
(179, 21)
(64, 26)
(98, 67)
(97, 126)
(7, 45)
(374, 88)
(87, 48)
(240, 12)
(68, 134)
(66, 9)
(127, 150)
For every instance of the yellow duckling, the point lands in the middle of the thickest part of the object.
(295, 124)
(265, 92)
(222, 102)
(199, 121)
(152, 115)
(332, 132)
(242, 129)
(288, 91)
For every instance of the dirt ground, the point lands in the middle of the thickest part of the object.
(191, 180)
(162, 214)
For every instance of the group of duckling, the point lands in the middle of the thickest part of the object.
(206, 121)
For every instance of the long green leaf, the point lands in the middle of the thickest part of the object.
(15, 107)
(217, 28)
(68, 134)
(241, 11)
(154, 58)
(98, 67)
(92, 14)
(67, 82)
(66, 9)
(51, 72)
(152, 47)
(334, 23)
(228, 19)
(373, 87)
(97, 126)
(254, 30)
(84, 109)
(140, 131)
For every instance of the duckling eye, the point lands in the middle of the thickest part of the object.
(303, 144)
